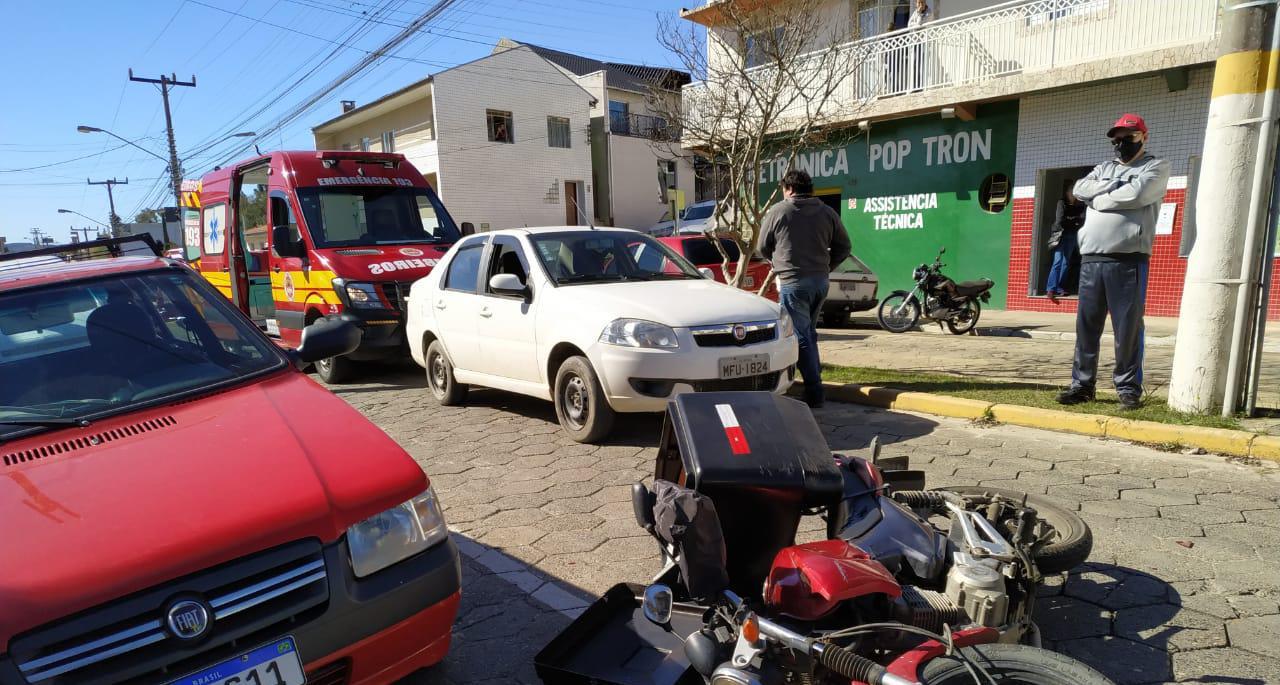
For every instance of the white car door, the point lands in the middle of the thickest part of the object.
(505, 326)
(457, 306)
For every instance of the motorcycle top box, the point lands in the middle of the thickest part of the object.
(762, 460)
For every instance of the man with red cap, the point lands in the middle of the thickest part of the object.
(1123, 197)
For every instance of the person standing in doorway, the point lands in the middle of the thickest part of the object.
(1123, 198)
(1068, 219)
(804, 240)
(919, 17)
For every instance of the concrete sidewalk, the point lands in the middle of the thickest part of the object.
(1013, 346)
(1049, 326)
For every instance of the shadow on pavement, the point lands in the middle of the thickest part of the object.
(1125, 623)
(508, 613)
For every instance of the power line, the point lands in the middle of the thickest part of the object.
(369, 60)
(65, 161)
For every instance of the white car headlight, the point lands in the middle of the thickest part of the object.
(639, 333)
(396, 534)
(363, 295)
(786, 327)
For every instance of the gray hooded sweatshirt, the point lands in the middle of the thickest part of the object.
(802, 236)
(1123, 200)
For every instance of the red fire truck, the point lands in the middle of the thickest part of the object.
(293, 237)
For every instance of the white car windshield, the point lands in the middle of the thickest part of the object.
(594, 256)
(698, 212)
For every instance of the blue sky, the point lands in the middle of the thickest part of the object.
(67, 65)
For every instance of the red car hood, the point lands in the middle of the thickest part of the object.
(169, 491)
(383, 262)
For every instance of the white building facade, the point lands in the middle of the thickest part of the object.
(636, 155)
(504, 140)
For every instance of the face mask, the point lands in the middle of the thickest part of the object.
(1126, 148)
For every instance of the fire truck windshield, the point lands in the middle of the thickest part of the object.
(350, 216)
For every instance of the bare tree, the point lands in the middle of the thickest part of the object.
(771, 80)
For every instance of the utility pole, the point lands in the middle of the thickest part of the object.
(111, 199)
(36, 236)
(1225, 266)
(175, 167)
(75, 233)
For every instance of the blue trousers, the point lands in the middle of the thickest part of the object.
(1061, 262)
(802, 298)
(1118, 288)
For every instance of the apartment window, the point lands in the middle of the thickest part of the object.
(761, 47)
(619, 117)
(557, 132)
(500, 126)
(389, 141)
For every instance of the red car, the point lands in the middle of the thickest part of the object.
(703, 254)
(182, 505)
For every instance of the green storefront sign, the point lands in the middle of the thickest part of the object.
(910, 186)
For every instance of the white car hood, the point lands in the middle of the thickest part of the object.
(678, 304)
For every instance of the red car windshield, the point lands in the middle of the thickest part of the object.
(84, 349)
(702, 252)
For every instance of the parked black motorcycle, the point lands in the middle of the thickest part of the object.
(935, 298)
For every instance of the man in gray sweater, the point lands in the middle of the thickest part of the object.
(805, 240)
(1123, 198)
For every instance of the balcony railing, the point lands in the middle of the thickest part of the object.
(1015, 38)
(642, 126)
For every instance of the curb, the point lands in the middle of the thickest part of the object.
(1217, 440)
(1064, 336)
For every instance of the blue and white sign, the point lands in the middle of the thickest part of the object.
(215, 229)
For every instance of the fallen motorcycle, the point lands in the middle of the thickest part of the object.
(935, 298)
(740, 602)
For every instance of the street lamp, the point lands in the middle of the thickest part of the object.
(173, 164)
(68, 211)
(91, 129)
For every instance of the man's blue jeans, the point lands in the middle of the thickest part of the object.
(802, 298)
(1061, 262)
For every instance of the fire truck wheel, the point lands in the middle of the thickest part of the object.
(334, 370)
(444, 387)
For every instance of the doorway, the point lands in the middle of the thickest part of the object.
(830, 197)
(572, 208)
(1050, 185)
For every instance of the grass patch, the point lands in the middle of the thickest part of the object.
(1023, 394)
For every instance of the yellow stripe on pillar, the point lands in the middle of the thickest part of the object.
(1246, 72)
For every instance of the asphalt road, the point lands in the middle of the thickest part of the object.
(1182, 585)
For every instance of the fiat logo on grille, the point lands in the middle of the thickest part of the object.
(188, 619)
(739, 332)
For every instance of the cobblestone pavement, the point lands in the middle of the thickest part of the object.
(1182, 584)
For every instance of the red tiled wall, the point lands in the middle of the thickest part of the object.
(1164, 281)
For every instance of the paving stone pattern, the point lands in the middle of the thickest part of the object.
(1182, 585)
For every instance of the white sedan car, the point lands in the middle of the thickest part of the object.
(597, 320)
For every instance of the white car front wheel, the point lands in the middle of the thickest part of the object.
(581, 406)
(444, 387)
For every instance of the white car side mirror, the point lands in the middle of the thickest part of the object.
(707, 273)
(507, 284)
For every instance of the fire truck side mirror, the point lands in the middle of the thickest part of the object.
(467, 228)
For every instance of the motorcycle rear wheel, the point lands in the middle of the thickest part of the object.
(1010, 665)
(960, 328)
(895, 321)
(1074, 538)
